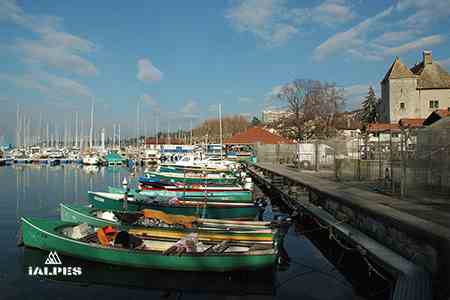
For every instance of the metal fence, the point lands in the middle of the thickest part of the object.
(407, 163)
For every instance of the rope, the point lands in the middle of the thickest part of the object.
(372, 268)
(322, 227)
(332, 236)
(363, 253)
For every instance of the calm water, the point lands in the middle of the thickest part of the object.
(37, 191)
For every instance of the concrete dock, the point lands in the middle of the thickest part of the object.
(409, 240)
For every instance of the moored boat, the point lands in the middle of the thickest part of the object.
(158, 224)
(252, 283)
(147, 253)
(203, 208)
(155, 187)
(194, 177)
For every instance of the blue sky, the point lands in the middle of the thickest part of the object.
(179, 59)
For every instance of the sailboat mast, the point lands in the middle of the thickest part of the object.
(220, 131)
(137, 124)
(92, 125)
(119, 135)
(18, 126)
(191, 133)
(47, 138)
(157, 127)
(76, 129)
(114, 136)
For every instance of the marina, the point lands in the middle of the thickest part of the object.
(69, 184)
(239, 149)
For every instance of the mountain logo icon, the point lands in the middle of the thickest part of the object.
(53, 259)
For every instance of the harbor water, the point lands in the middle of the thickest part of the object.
(37, 190)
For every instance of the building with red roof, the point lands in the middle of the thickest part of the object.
(382, 127)
(411, 122)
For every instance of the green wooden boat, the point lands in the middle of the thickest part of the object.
(194, 177)
(54, 236)
(227, 196)
(207, 229)
(173, 168)
(211, 210)
(251, 284)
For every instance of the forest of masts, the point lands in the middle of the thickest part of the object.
(77, 133)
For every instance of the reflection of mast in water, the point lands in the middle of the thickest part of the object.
(90, 183)
(64, 184)
(25, 183)
(76, 183)
(17, 194)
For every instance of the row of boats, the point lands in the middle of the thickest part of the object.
(192, 156)
(182, 218)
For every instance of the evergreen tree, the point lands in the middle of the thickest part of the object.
(255, 121)
(369, 111)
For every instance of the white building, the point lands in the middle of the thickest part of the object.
(415, 92)
(269, 116)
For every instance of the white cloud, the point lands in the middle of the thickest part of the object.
(52, 86)
(333, 11)
(330, 12)
(405, 23)
(37, 53)
(275, 23)
(395, 37)
(424, 13)
(264, 18)
(147, 71)
(418, 44)
(352, 38)
(53, 47)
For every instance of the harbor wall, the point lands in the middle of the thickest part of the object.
(421, 242)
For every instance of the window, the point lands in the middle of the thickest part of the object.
(434, 103)
(402, 105)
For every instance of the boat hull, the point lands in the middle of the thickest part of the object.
(208, 210)
(232, 196)
(42, 234)
(191, 178)
(81, 214)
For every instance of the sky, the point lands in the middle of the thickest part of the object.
(179, 59)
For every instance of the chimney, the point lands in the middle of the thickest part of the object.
(427, 58)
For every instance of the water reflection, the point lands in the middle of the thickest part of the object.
(37, 191)
(258, 284)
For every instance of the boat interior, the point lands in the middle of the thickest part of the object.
(186, 245)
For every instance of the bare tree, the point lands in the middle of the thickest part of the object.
(210, 128)
(311, 108)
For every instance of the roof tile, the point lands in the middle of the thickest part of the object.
(255, 135)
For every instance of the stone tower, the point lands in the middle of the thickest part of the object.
(415, 92)
(398, 93)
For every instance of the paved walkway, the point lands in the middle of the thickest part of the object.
(430, 217)
(436, 210)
